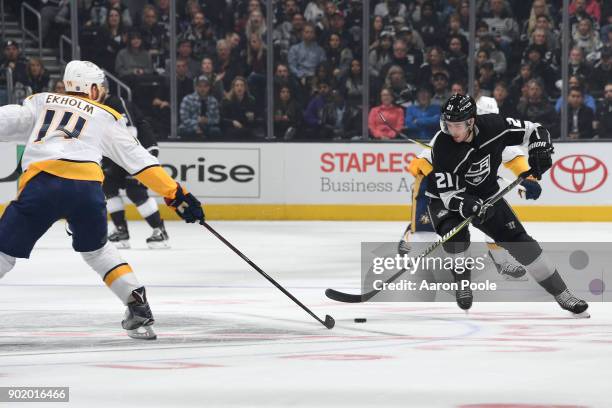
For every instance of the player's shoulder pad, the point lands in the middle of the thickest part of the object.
(116, 115)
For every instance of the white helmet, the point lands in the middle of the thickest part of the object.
(79, 76)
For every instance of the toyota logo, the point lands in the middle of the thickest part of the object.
(579, 173)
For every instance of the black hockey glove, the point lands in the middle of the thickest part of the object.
(540, 157)
(532, 191)
(471, 205)
(186, 206)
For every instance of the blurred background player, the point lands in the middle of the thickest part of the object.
(116, 178)
(66, 136)
(419, 228)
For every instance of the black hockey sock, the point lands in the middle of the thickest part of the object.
(154, 220)
(118, 218)
(466, 275)
(554, 284)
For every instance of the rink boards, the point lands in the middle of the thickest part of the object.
(353, 181)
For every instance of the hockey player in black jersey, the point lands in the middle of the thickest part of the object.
(115, 179)
(466, 156)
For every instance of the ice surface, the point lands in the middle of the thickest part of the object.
(228, 338)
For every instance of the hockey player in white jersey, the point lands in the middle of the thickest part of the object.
(66, 136)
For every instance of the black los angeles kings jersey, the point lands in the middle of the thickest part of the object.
(471, 168)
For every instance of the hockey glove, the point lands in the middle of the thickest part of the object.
(531, 189)
(540, 157)
(186, 206)
(471, 205)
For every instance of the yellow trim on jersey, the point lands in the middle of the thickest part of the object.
(116, 273)
(156, 179)
(420, 165)
(517, 165)
(110, 110)
(89, 171)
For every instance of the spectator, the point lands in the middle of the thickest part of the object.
(314, 11)
(457, 58)
(59, 87)
(133, 61)
(207, 68)
(604, 113)
(340, 120)
(289, 9)
(161, 101)
(577, 82)
(435, 63)
(487, 78)
(283, 78)
(587, 39)
(226, 66)
(401, 59)
(100, 11)
(287, 35)
(286, 114)
(153, 36)
(390, 9)
(525, 74)
(428, 25)
(322, 74)
(422, 118)
(441, 91)
(502, 25)
(256, 63)
(200, 36)
(377, 28)
(305, 56)
(53, 12)
(184, 50)
(535, 107)
(497, 57)
(551, 37)
(602, 72)
(541, 69)
(381, 54)
(339, 58)
(37, 77)
(200, 113)
(312, 114)
(403, 92)
(353, 85)
(256, 25)
(586, 7)
(392, 113)
(457, 87)
(577, 63)
(238, 112)
(114, 38)
(15, 61)
(539, 8)
(455, 31)
(580, 117)
(504, 103)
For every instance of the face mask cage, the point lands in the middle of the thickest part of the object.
(456, 126)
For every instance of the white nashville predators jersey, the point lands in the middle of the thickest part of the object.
(62, 131)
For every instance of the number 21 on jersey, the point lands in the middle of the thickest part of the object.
(63, 126)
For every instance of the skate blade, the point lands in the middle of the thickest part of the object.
(158, 245)
(142, 333)
(583, 315)
(121, 244)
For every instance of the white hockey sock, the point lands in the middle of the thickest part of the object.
(148, 208)
(114, 204)
(115, 272)
(541, 268)
(7, 263)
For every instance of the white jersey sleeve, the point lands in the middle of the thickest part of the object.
(17, 121)
(124, 149)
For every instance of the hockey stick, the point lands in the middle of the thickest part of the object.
(351, 298)
(329, 321)
(425, 145)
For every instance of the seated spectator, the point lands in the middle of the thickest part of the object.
(340, 120)
(381, 54)
(580, 117)
(200, 36)
(587, 39)
(577, 64)
(455, 31)
(256, 63)
(339, 58)
(288, 34)
(604, 113)
(200, 113)
(227, 67)
(312, 114)
(487, 78)
(422, 119)
(457, 58)
(160, 110)
(539, 8)
(441, 90)
(282, 78)
(114, 38)
(390, 9)
(505, 105)
(535, 107)
(376, 29)
(403, 92)
(286, 114)
(38, 78)
(100, 11)
(256, 25)
(602, 72)
(59, 87)
(577, 82)
(238, 112)
(496, 56)
(306, 56)
(401, 59)
(133, 61)
(502, 25)
(15, 61)
(184, 51)
(315, 10)
(542, 69)
(435, 63)
(353, 85)
(322, 74)
(525, 74)
(590, 8)
(153, 35)
(208, 68)
(392, 113)
(428, 25)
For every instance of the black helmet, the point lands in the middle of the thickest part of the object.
(458, 108)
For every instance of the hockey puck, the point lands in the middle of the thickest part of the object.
(360, 320)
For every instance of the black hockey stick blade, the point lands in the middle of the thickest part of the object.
(351, 298)
(329, 322)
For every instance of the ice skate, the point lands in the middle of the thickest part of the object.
(571, 303)
(158, 239)
(120, 238)
(138, 317)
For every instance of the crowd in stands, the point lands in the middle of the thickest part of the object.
(417, 57)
